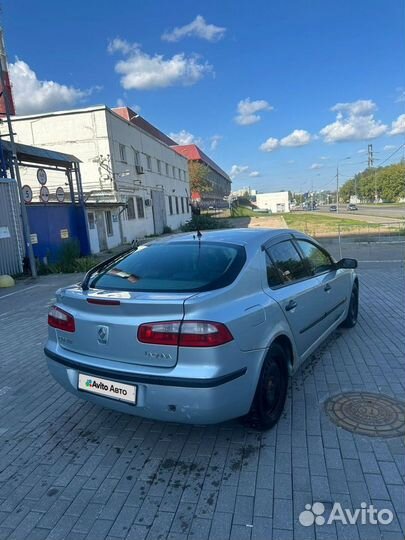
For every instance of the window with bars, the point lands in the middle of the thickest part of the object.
(140, 208)
(131, 208)
(170, 205)
(123, 153)
(108, 222)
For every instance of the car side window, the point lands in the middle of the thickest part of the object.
(287, 264)
(274, 275)
(318, 260)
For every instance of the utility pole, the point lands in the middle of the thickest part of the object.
(14, 159)
(337, 189)
(370, 163)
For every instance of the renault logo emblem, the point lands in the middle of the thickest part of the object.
(102, 334)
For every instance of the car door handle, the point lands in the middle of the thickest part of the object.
(291, 305)
(327, 287)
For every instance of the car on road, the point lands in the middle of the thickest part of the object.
(200, 327)
(351, 207)
(333, 208)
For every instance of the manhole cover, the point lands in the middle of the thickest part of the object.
(369, 414)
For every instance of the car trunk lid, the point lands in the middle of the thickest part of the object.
(107, 322)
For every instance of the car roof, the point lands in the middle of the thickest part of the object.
(245, 237)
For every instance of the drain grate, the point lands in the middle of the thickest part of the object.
(374, 415)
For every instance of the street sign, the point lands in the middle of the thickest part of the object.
(60, 194)
(27, 193)
(41, 175)
(44, 194)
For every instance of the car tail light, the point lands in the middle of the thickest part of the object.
(60, 319)
(185, 334)
(160, 333)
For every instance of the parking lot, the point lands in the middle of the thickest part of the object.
(72, 470)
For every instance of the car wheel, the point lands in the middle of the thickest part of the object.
(353, 312)
(271, 391)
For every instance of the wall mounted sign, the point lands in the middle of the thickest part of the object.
(4, 232)
(27, 193)
(44, 194)
(64, 233)
(41, 176)
(60, 194)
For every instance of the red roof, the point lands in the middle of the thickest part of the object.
(193, 153)
(139, 121)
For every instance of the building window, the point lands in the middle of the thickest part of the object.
(174, 172)
(182, 205)
(131, 208)
(167, 169)
(170, 205)
(90, 217)
(139, 207)
(158, 166)
(137, 160)
(148, 163)
(123, 153)
(108, 221)
(176, 200)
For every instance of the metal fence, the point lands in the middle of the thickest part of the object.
(11, 235)
(370, 242)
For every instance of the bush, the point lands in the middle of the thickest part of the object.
(68, 253)
(204, 223)
(167, 230)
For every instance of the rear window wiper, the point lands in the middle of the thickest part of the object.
(103, 264)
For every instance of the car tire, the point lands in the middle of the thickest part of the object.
(352, 314)
(271, 390)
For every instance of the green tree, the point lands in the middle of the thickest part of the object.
(388, 182)
(198, 173)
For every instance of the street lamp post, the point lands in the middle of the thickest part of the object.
(337, 181)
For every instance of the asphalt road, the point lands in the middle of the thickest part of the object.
(390, 212)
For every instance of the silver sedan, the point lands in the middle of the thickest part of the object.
(200, 328)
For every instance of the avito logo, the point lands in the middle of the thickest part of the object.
(365, 514)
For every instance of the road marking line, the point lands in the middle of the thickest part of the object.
(16, 292)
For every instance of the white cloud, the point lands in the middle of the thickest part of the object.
(214, 141)
(254, 174)
(389, 147)
(361, 107)
(291, 161)
(354, 121)
(362, 151)
(32, 95)
(247, 111)
(237, 170)
(269, 145)
(185, 137)
(299, 137)
(316, 166)
(141, 71)
(197, 28)
(398, 125)
(324, 158)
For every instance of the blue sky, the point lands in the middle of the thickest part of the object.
(275, 91)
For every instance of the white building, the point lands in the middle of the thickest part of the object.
(276, 202)
(134, 183)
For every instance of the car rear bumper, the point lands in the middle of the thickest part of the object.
(164, 397)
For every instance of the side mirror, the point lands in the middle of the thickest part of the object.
(347, 263)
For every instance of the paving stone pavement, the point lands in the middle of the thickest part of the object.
(72, 470)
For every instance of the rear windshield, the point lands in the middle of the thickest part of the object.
(175, 266)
